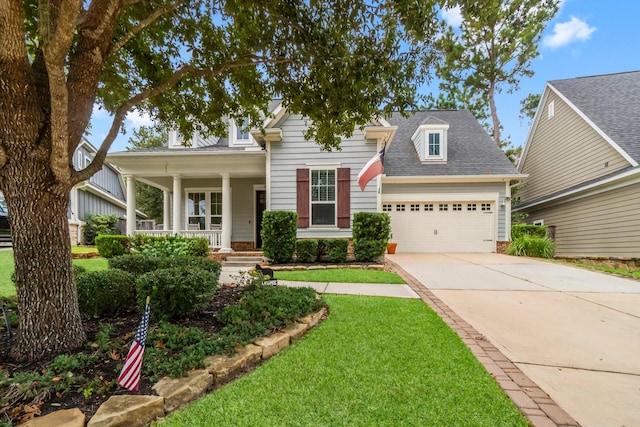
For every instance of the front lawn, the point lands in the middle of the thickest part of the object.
(340, 275)
(373, 362)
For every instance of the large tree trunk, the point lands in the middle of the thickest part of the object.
(50, 321)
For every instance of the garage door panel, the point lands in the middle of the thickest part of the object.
(426, 227)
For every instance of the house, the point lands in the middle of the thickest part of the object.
(103, 193)
(446, 185)
(581, 157)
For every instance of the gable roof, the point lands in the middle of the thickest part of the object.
(611, 102)
(470, 150)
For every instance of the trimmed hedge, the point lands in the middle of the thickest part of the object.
(105, 292)
(110, 245)
(279, 235)
(371, 232)
(333, 250)
(176, 292)
(138, 264)
(165, 246)
(307, 250)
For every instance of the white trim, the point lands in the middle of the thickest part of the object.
(323, 165)
(551, 110)
(256, 188)
(507, 211)
(538, 222)
(181, 154)
(450, 178)
(441, 197)
(627, 178)
(324, 202)
(268, 173)
(234, 141)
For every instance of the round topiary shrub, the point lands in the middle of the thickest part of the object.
(105, 292)
(176, 292)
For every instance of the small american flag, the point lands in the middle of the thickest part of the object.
(130, 375)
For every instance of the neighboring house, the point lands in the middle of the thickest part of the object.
(103, 193)
(446, 185)
(582, 157)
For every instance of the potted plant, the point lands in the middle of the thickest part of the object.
(391, 246)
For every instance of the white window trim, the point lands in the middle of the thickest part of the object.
(311, 202)
(207, 191)
(423, 132)
(233, 136)
(440, 156)
(551, 110)
(538, 222)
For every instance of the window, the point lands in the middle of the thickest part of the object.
(242, 132)
(551, 110)
(400, 208)
(538, 222)
(457, 207)
(386, 208)
(323, 197)
(471, 206)
(486, 207)
(198, 216)
(434, 148)
(415, 208)
(428, 207)
(443, 207)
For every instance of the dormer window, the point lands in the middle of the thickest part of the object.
(242, 132)
(430, 140)
(239, 135)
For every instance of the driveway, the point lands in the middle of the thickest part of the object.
(574, 332)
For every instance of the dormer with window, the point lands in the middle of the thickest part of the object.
(430, 140)
(239, 135)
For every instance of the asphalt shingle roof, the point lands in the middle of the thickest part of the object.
(470, 150)
(611, 102)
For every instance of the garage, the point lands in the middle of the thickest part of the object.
(442, 226)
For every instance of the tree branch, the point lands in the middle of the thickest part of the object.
(144, 24)
(249, 60)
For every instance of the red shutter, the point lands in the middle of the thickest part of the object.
(302, 200)
(344, 197)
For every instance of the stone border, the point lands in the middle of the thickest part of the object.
(531, 400)
(138, 410)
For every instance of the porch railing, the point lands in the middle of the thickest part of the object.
(213, 236)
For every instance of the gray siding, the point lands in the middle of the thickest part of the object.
(606, 224)
(106, 178)
(565, 151)
(454, 188)
(89, 203)
(295, 152)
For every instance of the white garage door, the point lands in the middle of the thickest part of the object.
(442, 226)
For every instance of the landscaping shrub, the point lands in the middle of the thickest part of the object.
(176, 292)
(105, 292)
(534, 246)
(371, 231)
(271, 307)
(333, 250)
(206, 264)
(110, 245)
(519, 230)
(279, 235)
(135, 264)
(307, 250)
(165, 246)
(97, 224)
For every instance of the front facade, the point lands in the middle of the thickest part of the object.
(218, 187)
(581, 158)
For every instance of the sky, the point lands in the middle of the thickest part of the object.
(585, 38)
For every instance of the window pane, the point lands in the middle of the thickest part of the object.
(434, 144)
(323, 214)
(241, 131)
(196, 204)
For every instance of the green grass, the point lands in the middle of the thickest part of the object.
(83, 249)
(7, 288)
(373, 362)
(345, 275)
(619, 271)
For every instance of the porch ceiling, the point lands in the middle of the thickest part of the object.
(160, 167)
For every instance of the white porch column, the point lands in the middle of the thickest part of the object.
(166, 211)
(131, 204)
(226, 214)
(177, 203)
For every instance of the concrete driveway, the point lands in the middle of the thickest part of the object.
(574, 332)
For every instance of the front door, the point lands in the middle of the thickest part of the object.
(261, 205)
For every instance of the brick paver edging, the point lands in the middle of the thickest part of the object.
(533, 402)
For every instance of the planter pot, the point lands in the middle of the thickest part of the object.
(391, 248)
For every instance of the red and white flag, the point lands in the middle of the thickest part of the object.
(373, 168)
(130, 375)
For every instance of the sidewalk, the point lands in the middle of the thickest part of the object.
(229, 274)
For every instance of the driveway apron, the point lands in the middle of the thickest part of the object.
(574, 332)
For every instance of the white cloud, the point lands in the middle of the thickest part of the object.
(565, 33)
(137, 119)
(452, 16)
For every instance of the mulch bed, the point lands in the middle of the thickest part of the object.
(123, 324)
